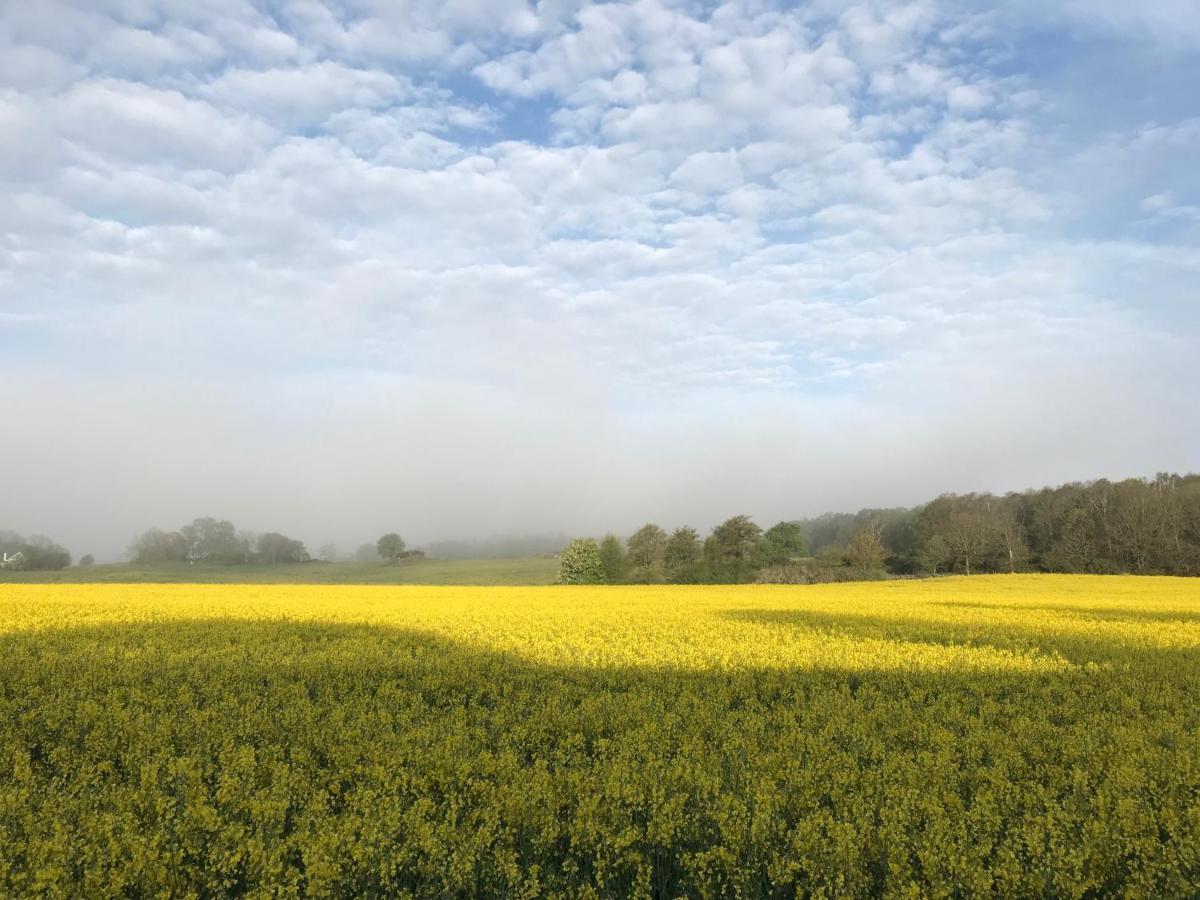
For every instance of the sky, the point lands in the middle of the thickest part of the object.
(459, 268)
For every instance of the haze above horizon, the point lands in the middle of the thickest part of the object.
(473, 268)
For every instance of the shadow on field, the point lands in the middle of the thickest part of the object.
(1051, 636)
(220, 757)
(1098, 613)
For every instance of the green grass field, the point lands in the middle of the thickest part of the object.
(521, 571)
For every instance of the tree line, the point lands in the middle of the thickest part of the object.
(1147, 526)
(737, 551)
(217, 542)
(1138, 526)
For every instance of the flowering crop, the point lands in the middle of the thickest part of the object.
(1007, 735)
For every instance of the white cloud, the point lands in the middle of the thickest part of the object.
(133, 123)
(304, 96)
(707, 173)
(1156, 203)
(967, 98)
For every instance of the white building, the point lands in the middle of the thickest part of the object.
(15, 561)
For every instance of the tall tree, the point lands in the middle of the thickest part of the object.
(933, 555)
(612, 559)
(644, 554)
(865, 550)
(390, 546)
(212, 540)
(274, 547)
(157, 546)
(1073, 548)
(970, 535)
(1136, 525)
(681, 558)
(783, 542)
(1010, 533)
(732, 551)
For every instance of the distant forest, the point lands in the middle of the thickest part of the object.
(1140, 526)
(217, 542)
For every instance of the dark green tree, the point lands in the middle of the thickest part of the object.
(274, 547)
(390, 546)
(644, 554)
(732, 552)
(681, 559)
(782, 543)
(612, 559)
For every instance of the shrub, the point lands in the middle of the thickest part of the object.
(580, 563)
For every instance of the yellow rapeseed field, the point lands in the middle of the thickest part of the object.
(998, 736)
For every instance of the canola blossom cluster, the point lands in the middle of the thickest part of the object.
(1002, 735)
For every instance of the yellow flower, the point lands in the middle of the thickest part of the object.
(1007, 735)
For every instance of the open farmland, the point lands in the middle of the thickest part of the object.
(518, 570)
(1004, 735)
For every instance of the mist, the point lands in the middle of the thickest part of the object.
(101, 460)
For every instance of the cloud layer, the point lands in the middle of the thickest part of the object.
(482, 266)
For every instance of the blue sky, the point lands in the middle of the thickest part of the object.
(500, 266)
